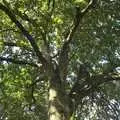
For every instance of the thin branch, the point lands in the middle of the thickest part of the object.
(12, 44)
(38, 79)
(16, 11)
(49, 5)
(88, 6)
(9, 29)
(25, 33)
(20, 62)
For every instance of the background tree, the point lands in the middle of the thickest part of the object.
(59, 60)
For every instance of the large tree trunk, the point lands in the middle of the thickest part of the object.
(59, 102)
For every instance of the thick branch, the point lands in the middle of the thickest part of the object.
(63, 58)
(34, 23)
(20, 62)
(25, 33)
(94, 81)
(77, 20)
(80, 91)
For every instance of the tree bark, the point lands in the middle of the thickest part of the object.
(59, 102)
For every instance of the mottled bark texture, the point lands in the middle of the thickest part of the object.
(59, 101)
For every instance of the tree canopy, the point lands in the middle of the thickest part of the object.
(59, 59)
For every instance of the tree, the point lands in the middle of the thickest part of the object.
(59, 59)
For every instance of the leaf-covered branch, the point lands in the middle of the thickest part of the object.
(25, 33)
(33, 23)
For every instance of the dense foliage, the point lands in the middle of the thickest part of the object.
(90, 65)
